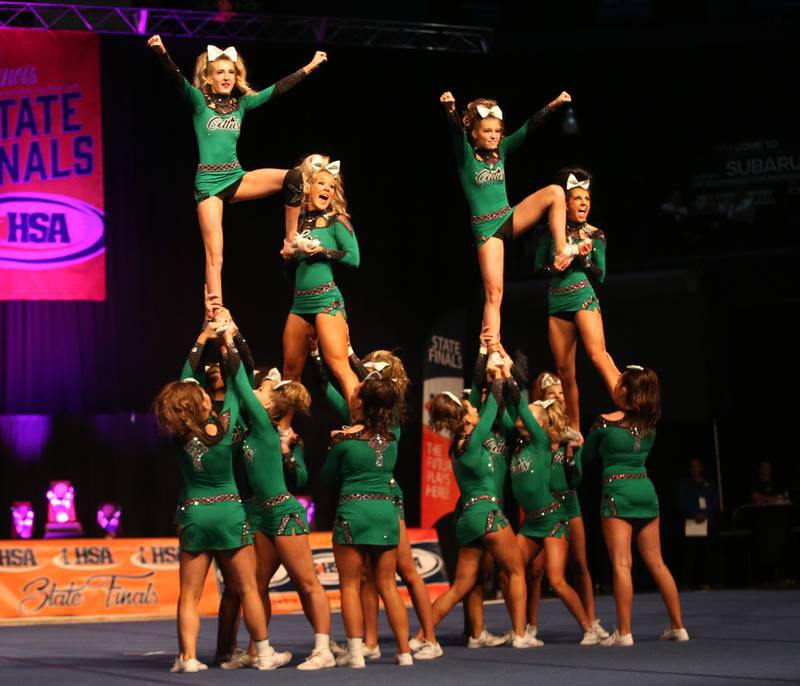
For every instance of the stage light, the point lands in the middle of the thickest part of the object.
(21, 519)
(108, 516)
(570, 125)
(61, 519)
(306, 502)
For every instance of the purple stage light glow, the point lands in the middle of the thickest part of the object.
(308, 503)
(61, 519)
(25, 435)
(108, 516)
(22, 519)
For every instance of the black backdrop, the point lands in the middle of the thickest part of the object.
(711, 314)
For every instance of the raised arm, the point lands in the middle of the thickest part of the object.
(514, 140)
(458, 140)
(294, 464)
(242, 388)
(285, 84)
(488, 413)
(478, 377)
(518, 407)
(191, 94)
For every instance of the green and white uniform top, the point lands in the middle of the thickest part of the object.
(532, 475)
(483, 177)
(281, 513)
(627, 490)
(572, 289)
(217, 123)
(315, 290)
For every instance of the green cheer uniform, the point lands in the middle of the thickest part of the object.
(627, 491)
(211, 516)
(484, 180)
(531, 475)
(480, 511)
(217, 124)
(364, 462)
(315, 290)
(560, 484)
(572, 291)
(281, 513)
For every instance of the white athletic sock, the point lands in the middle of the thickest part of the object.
(262, 648)
(355, 646)
(322, 641)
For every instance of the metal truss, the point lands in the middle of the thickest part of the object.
(245, 26)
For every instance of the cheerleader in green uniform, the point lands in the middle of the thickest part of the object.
(547, 386)
(629, 506)
(218, 116)
(573, 305)
(481, 148)
(499, 445)
(211, 517)
(281, 536)
(325, 238)
(366, 528)
(481, 523)
(546, 525)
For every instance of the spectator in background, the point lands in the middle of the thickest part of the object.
(765, 492)
(698, 503)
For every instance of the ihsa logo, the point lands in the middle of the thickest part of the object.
(41, 231)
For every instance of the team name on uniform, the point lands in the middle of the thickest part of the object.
(223, 124)
(484, 176)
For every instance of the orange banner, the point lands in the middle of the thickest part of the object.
(137, 578)
(102, 578)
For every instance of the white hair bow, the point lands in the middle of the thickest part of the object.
(281, 384)
(544, 404)
(274, 375)
(495, 111)
(376, 366)
(548, 381)
(215, 53)
(190, 379)
(635, 367)
(572, 182)
(332, 168)
(453, 397)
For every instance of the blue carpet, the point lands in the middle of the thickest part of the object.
(738, 637)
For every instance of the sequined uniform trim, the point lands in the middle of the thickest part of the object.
(480, 218)
(572, 288)
(379, 444)
(479, 498)
(248, 452)
(490, 519)
(586, 304)
(542, 511)
(617, 477)
(612, 506)
(211, 500)
(335, 305)
(317, 290)
(557, 528)
(363, 496)
(276, 500)
(245, 532)
(563, 495)
(227, 166)
(196, 449)
(285, 522)
(348, 535)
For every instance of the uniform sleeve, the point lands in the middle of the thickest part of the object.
(488, 414)
(595, 262)
(192, 364)
(189, 93)
(345, 237)
(357, 365)
(574, 468)
(246, 355)
(242, 388)
(458, 138)
(591, 446)
(519, 407)
(294, 467)
(334, 398)
(512, 142)
(331, 469)
(250, 102)
(478, 380)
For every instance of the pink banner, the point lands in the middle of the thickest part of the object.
(52, 243)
